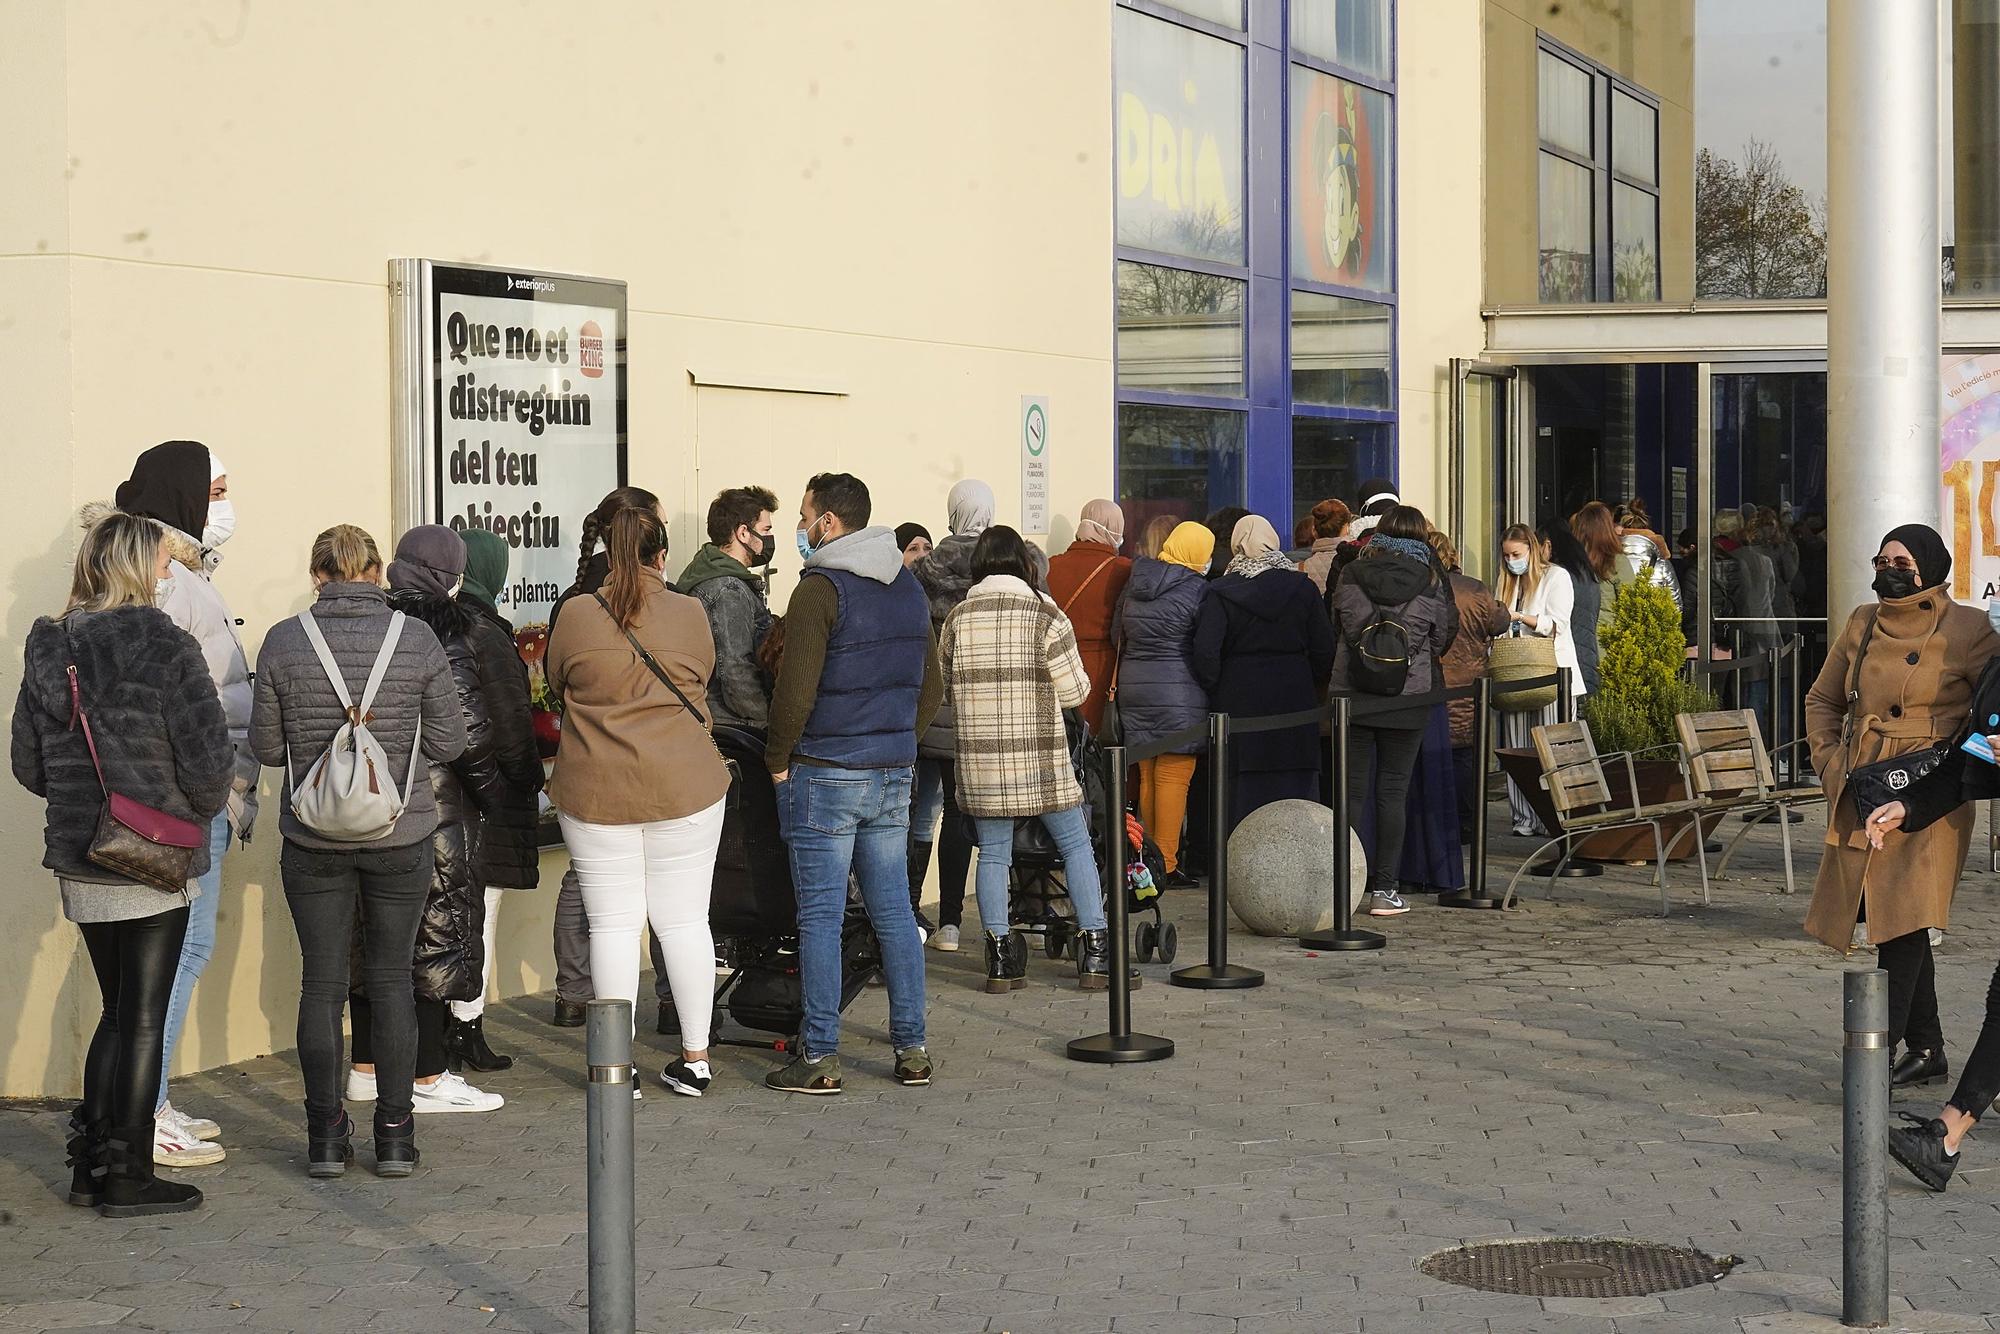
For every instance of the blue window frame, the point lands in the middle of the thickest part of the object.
(1254, 285)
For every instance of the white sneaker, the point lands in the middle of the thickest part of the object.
(360, 1085)
(946, 940)
(173, 1149)
(452, 1094)
(194, 1127)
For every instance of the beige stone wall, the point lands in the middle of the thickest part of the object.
(203, 198)
(1650, 44)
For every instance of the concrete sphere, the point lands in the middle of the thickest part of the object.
(1281, 869)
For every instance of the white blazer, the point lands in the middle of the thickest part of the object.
(1551, 604)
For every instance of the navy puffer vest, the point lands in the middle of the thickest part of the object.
(866, 714)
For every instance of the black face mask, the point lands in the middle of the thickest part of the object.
(765, 550)
(1893, 583)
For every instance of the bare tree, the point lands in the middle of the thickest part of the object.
(1756, 232)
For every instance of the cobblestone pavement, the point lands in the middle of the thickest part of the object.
(1581, 1067)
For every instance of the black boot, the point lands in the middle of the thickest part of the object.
(329, 1149)
(920, 865)
(396, 1148)
(130, 1188)
(1093, 961)
(1917, 1068)
(465, 1044)
(569, 1014)
(996, 965)
(86, 1160)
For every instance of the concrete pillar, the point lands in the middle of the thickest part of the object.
(1882, 282)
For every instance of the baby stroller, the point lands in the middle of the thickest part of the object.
(1038, 895)
(754, 914)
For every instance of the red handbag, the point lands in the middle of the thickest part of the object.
(133, 839)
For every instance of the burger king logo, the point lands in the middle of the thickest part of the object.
(590, 349)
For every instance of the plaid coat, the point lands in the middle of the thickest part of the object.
(1010, 668)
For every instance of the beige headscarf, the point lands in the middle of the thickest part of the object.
(1108, 521)
(1254, 543)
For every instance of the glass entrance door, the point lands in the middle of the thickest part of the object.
(1482, 490)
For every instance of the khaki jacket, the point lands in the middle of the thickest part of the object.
(1915, 686)
(630, 752)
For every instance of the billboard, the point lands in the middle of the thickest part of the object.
(1969, 472)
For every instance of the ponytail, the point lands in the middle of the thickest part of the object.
(634, 539)
(596, 524)
(346, 554)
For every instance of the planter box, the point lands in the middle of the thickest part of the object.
(1659, 781)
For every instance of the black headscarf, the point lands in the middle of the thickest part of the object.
(169, 482)
(1932, 556)
(907, 533)
(1223, 524)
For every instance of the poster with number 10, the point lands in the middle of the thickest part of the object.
(1969, 472)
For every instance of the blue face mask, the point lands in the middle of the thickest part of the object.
(1517, 565)
(805, 539)
(1993, 614)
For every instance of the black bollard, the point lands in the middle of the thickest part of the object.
(1120, 1045)
(1474, 894)
(611, 1207)
(1343, 936)
(1218, 973)
(1864, 1148)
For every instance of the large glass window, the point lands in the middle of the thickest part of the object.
(1179, 330)
(1600, 184)
(1180, 140)
(1340, 181)
(1354, 33)
(1340, 351)
(1184, 462)
(1208, 140)
(1568, 265)
(1331, 457)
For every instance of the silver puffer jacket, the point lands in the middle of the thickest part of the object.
(1641, 558)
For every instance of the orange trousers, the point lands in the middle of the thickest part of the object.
(1163, 795)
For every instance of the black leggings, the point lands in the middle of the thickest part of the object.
(1913, 1003)
(1389, 754)
(954, 853)
(135, 962)
(430, 1034)
(1979, 1081)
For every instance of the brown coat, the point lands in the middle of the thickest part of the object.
(1090, 604)
(630, 753)
(1481, 619)
(1915, 686)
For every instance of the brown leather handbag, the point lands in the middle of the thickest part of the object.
(134, 840)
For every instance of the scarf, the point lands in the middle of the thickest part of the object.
(1191, 546)
(1932, 556)
(1419, 552)
(969, 508)
(1254, 548)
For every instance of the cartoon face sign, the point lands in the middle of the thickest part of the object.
(1335, 187)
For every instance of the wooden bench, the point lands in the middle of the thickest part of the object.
(1573, 775)
(1731, 770)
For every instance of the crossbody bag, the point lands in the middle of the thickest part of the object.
(707, 725)
(1874, 785)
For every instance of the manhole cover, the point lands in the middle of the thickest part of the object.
(1574, 1268)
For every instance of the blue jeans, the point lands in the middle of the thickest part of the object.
(196, 947)
(1071, 831)
(834, 821)
(928, 805)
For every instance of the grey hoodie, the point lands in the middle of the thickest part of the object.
(871, 553)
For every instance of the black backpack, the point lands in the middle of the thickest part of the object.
(1379, 657)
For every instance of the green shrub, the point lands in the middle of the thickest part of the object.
(1640, 688)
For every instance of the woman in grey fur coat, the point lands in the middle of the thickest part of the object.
(115, 698)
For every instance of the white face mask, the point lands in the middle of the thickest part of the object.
(160, 587)
(221, 523)
(458, 586)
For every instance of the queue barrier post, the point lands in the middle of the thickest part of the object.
(1120, 1045)
(1343, 936)
(611, 1208)
(1474, 894)
(1218, 974)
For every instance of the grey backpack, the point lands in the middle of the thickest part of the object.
(348, 796)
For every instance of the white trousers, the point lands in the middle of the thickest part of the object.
(467, 1011)
(661, 872)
